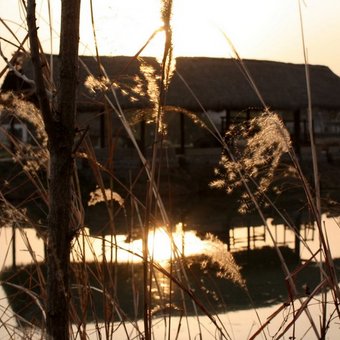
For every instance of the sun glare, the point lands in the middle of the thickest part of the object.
(162, 246)
(159, 244)
(196, 28)
(262, 29)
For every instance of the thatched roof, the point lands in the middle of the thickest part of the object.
(217, 83)
(221, 84)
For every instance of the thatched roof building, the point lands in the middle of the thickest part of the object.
(224, 87)
(221, 83)
(217, 83)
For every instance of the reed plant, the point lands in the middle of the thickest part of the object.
(107, 296)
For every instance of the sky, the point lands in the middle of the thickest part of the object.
(259, 29)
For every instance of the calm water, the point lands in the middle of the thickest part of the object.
(239, 324)
(159, 240)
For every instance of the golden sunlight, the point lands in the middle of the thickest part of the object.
(198, 27)
(161, 246)
(262, 29)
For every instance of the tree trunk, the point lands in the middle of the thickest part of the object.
(60, 130)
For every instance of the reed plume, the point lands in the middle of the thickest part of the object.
(257, 147)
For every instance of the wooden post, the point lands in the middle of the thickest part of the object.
(228, 119)
(297, 234)
(102, 130)
(142, 133)
(182, 133)
(254, 236)
(228, 237)
(305, 131)
(183, 239)
(14, 248)
(225, 122)
(297, 132)
(248, 237)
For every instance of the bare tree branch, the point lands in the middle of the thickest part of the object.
(17, 73)
(39, 79)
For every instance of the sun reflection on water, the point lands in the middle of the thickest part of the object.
(161, 243)
(162, 246)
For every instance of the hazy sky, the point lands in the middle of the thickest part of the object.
(260, 29)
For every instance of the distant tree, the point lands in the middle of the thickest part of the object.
(59, 122)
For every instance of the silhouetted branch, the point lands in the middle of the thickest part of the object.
(38, 76)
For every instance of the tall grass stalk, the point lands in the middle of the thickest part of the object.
(166, 12)
(323, 244)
